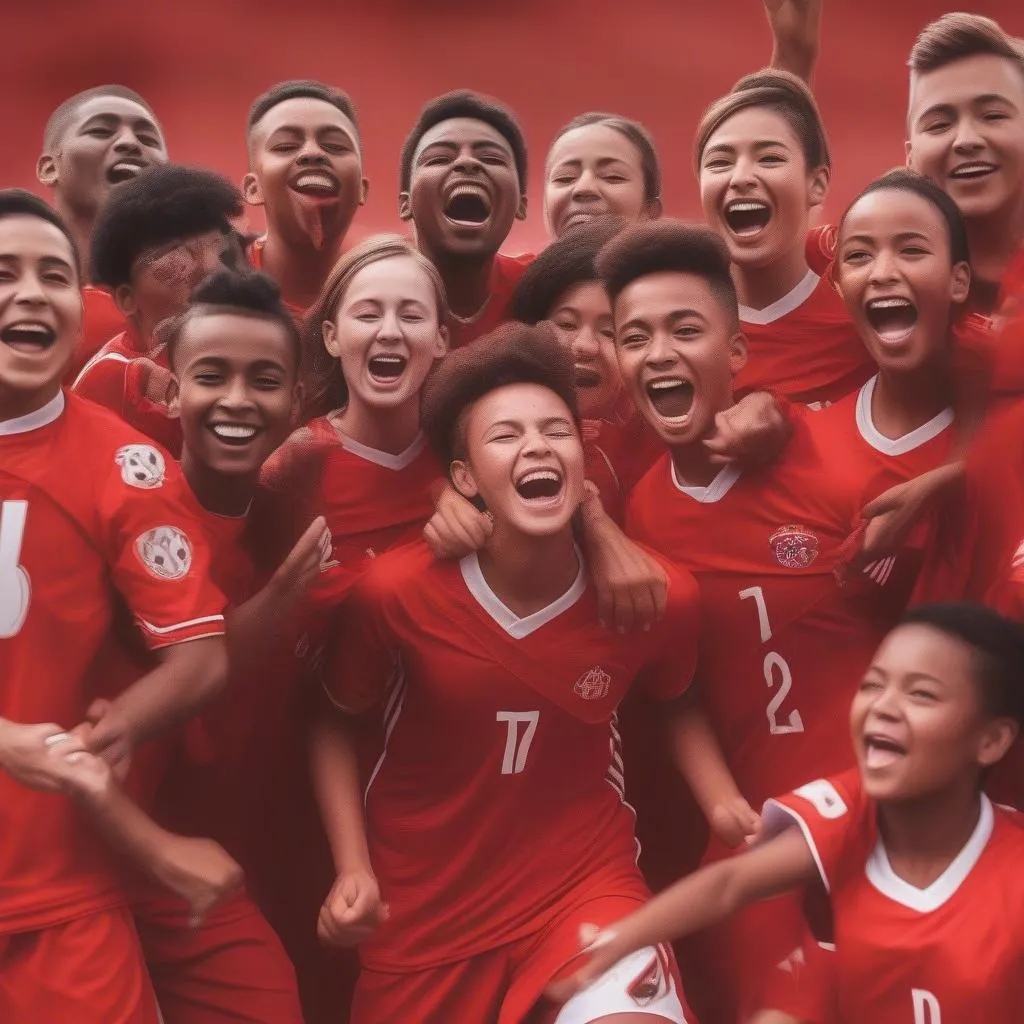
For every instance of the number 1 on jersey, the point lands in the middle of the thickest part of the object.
(517, 747)
(774, 663)
(15, 589)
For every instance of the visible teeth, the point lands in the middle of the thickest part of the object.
(234, 431)
(467, 190)
(314, 181)
(540, 474)
(665, 385)
(389, 359)
(30, 327)
(966, 170)
(888, 303)
(747, 207)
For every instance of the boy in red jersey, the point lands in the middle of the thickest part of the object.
(528, 762)
(463, 184)
(765, 545)
(763, 165)
(91, 514)
(156, 238)
(922, 870)
(306, 172)
(94, 140)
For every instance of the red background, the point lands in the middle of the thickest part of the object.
(201, 62)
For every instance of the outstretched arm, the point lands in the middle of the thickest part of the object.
(796, 31)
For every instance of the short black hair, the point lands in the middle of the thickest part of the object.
(902, 179)
(668, 245)
(568, 261)
(300, 88)
(227, 291)
(16, 202)
(465, 103)
(59, 120)
(158, 206)
(998, 646)
(512, 354)
(637, 134)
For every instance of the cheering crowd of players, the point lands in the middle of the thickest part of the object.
(380, 596)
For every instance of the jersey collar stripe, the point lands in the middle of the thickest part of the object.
(924, 901)
(715, 491)
(899, 445)
(41, 417)
(384, 459)
(781, 307)
(517, 627)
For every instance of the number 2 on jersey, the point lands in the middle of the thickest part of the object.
(776, 671)
(15, 588)
(517, 747)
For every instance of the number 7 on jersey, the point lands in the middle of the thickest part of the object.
(517, 745)
(15, 588)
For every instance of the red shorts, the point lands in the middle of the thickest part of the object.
(89, 970)
(506, 985)
(232, 969)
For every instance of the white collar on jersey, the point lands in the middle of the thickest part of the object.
(379, 458)
(715, 491)
(780, 307)
(899, 445)
(517, 627)
(924, 901)
(42, 417)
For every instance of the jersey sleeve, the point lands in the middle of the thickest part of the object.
(104, 381)
(820, 248)
(156, 548)
(671, 671)
(828, 812)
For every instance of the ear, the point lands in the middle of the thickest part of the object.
(817, 188)
(46, 171)
(251, 191)
(653, 210)
(298, 395)
(364, 190)
(443, 341)
(404, 206)
(996, 740)
(909, 150)
(174, 396)
(960, 282)
(330, 334)
(737, 352)
(462, 479)
(521, 209)
(124, 299)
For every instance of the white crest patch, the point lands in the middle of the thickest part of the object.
(593, 685)
(165, 552)
(142, 466)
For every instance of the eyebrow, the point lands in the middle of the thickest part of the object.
(726, 147)
(111, 120)
(948, 108)
(14, 257)
(601, 162)
(454, 147)
(903, 236)
(259, 364)
(294, 129)
(518, 424)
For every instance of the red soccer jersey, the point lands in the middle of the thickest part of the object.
(804, 346)
(101, 321)
(784, 644)
(90, 511)
(820, 248)
(502, 750)
(498, 308)
(254, 253)
(126, 379)
(951, 952)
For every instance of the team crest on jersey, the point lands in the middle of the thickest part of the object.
(593, 685)
(142, 466)
(165, 552)
(795, 547)
(652, 983)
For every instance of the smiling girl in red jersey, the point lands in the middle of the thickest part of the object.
(763, 165)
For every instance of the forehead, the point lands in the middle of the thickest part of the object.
(753, 124)
(395, 278)
(892, 211)
(588, 295)
(593, 142)
(523, 403)
(661, 294)
(234, 338)
(112, 107)
(305, 113)
(25, 237)
(461, 131)
(916, 647)
(964, 80)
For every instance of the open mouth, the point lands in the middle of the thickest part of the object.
(747, 217)
(881, 752)
(892, 319)
(467, 204)
(124, 170)
(577, 217)
(386, 369)
(587, 377)
(672, 397)
(316, 183)
(539, 485)
(28, 336)
(972, 171)
(238, 435)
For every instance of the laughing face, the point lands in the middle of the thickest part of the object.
(524, 458)
(386, 333)
(40, 312)
(756, 187)
(464, 191)
(236, 390)
(967, 133)
(307, 171)
(897, 278)
(678, 349)
(110, 140)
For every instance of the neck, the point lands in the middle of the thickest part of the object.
(467, 279)
(922, 838)
(529, 573)
(692, 461)
(300, 270)
(994, 241)
(143, 331)
(902, 402)
(79, 223)
(386, 430)
(220, 493)
(15, 404)
(759, 287)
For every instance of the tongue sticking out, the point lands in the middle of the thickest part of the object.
(672, 399)
(311, 215)
(892, 319)
(881, 756)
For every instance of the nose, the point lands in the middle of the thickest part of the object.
(390, 326)
(883, 268)
(584, 344)
(968, 139)
(467, 161)
(742, 176)
(127, 141)
(536, 443)
(660, 354)
(311, 152)
(30, 291)
(585, 186)
(236, 394)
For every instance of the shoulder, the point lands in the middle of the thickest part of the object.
(111, 359)
(512, 268)
(400, 572)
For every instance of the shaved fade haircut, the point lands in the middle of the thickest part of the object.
(60, 120)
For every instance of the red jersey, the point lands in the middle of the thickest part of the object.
(91, 514)
(951, 952)
(120, 377)
(497, 309)
(101, 320)
(502, 749)
(254, 253)
(820, 248)
(804, 346)
(784, 644)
